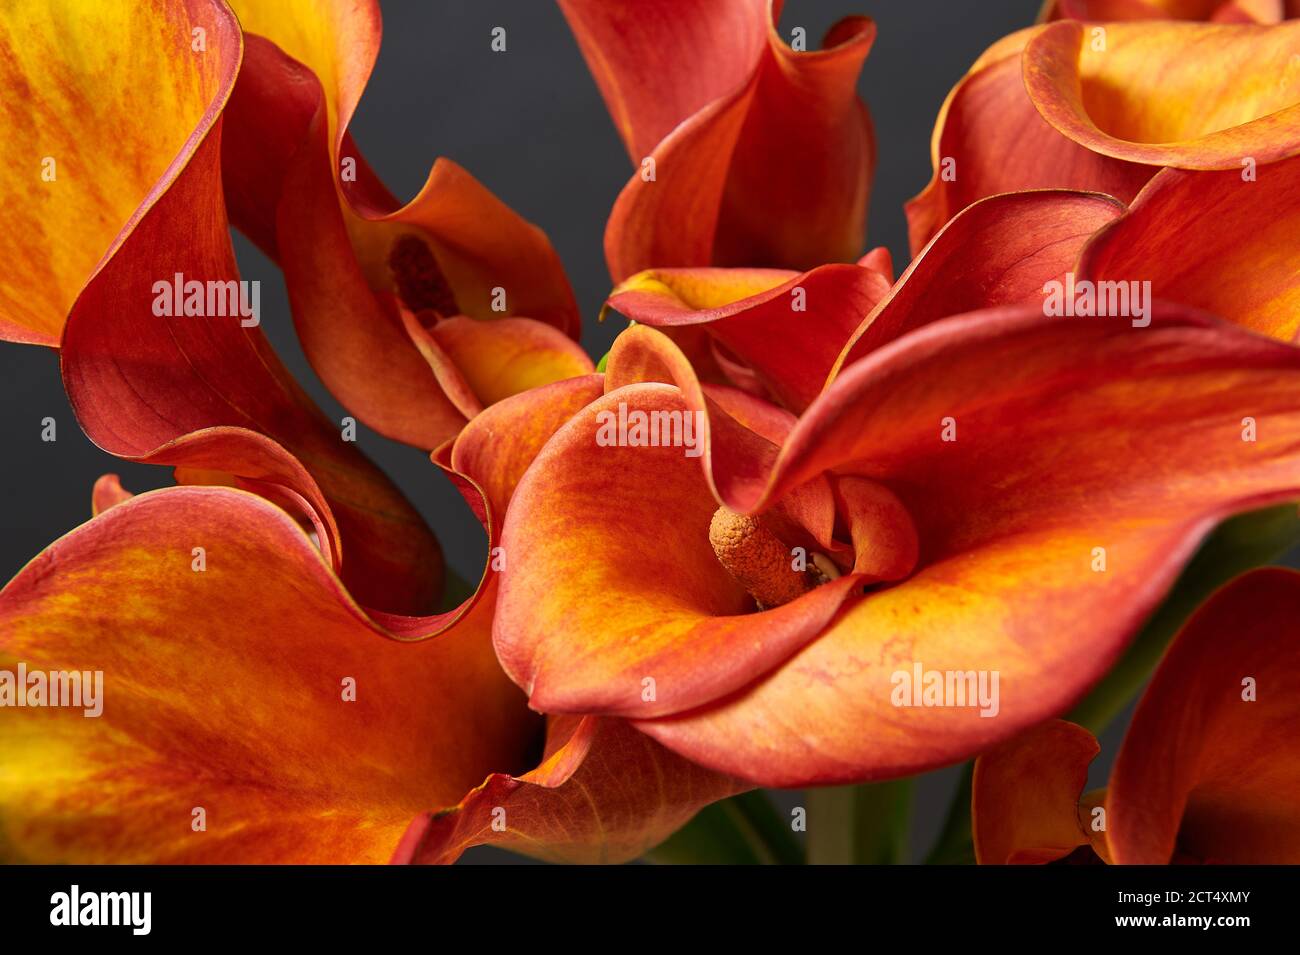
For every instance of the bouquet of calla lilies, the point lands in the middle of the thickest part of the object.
(812, 522)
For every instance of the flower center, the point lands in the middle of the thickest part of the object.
(885, 546)
(758, 559)
(420, 283)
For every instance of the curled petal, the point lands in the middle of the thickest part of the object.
(786, 328)
(155, 374)
(989, 139)
(745, 431)
(998, 251)
(1215, 240)
(104, 105)
(251, 712)
(603, 793)
(1192, 96)
(1025, 795)
(1067, 106)
(510, 355)
(738, 451)
(1210, 768)
(348, 248)
(729, 126)
(884, 535)
(107, 492)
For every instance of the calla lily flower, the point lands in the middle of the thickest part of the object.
(204, 392)
(415, 316)
(800, 496)
(1103, 107)
(1209, 768)
(937, 485)
(748, 152)
(458, 300)
(325, 744)
(999, 251)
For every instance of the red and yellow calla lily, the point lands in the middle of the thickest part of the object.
(1209, 770)
(205, 395)
(1070, 435)
(1104, 107)
(748, 152)
(208, 396)
(263, 115)
(774, 332)
(415, 316)
(305, 728)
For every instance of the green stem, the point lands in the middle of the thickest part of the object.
(771, 835)
(859, 825)
(744, 830)
(954, 846)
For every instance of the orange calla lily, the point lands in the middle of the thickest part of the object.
(1208, 771)
(748, 152)
(296, 183)
(1064, 106)
(809, 526)
(264, 737)
(200, 389)
(201, 392)
(352, 254)
(215, 744)
(206, 393)
(1064, 436)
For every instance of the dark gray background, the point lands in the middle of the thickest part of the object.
(530, 124)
